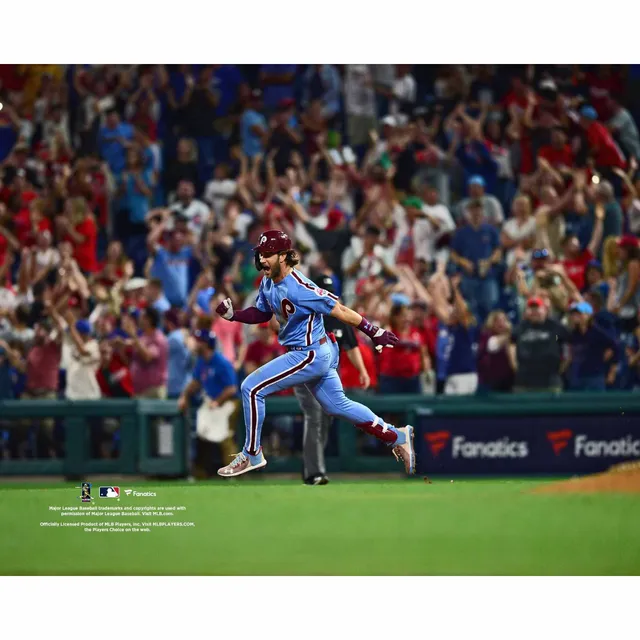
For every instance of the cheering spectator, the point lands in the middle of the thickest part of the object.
(277, 82)
(219, 191)
(183, 167)
(12, 364)
(42, 378)
(136, 187)
(496, 356)
(155, 296)
(360, 105)
(519, 232)
(493, 213)
(149, 359)
(624, 296)
(472, 153)
(215, 376)
(230, 335)
(575, 259)
(624, 127)
(19, 329)
(113, 375)
(593, 352)
(263, 349)
(84, 357)
(322, 82)
(194, 211)
(253, 127)
(79, 228)
(613, 216)
(113, 140)
(558, 154)
(475, 248)
(400, 371)
(456, 363)
(171, 264)
(440, 226)
(602, 148)
(539, 344)
(404, 93)
(180, 362)
(364, 259)
(199, 113)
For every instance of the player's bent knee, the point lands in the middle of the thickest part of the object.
(246, 386)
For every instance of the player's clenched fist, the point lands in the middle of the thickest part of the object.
(383, 338)
(225, 309)
(380, 337)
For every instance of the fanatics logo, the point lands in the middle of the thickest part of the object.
(437, 441)
(559, 439)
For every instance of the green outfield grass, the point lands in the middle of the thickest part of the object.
(265, 527)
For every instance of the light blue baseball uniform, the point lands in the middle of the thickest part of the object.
(299, 305)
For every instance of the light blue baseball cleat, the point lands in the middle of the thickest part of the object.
(243, 463)
(405, 452)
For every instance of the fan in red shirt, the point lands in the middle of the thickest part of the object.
(576, 259)
(516, 103)
(30, 222)
(426, 324)
(113, 376)
(347, 370)
(558, 154)
(400, 367)
(605, 83)
(602, 147)
(18, 186)
(115, 267)
(78, 227)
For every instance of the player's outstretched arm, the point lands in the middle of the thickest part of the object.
(380, 337)
(252, 315)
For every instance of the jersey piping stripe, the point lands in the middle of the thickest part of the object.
(311, 287)
(253, 404)
(310, 328)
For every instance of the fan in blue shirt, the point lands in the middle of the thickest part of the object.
(110, 141)
(594, 352)
(475, 248)
(456, 343)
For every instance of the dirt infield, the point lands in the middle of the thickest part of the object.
(623, 478)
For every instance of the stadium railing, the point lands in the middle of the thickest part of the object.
(453, 434)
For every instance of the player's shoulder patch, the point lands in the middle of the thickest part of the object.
(310, 286)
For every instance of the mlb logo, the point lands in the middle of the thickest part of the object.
(109, 492)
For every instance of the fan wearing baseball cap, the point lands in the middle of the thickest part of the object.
(493, 212)
(84, 357)
(602, 146)
(594, 351)
(539, 341)
(215, 376)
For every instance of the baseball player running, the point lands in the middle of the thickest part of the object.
(312, 355)
(316, 422)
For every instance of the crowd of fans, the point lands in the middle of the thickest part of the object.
(488, 214)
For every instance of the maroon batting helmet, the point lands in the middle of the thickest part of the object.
(273, 241)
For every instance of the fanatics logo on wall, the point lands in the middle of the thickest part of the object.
(559, 439)
(437, 441)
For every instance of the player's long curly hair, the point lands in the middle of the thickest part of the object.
(291, 258)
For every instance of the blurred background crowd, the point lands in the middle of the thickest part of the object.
(488, 214)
